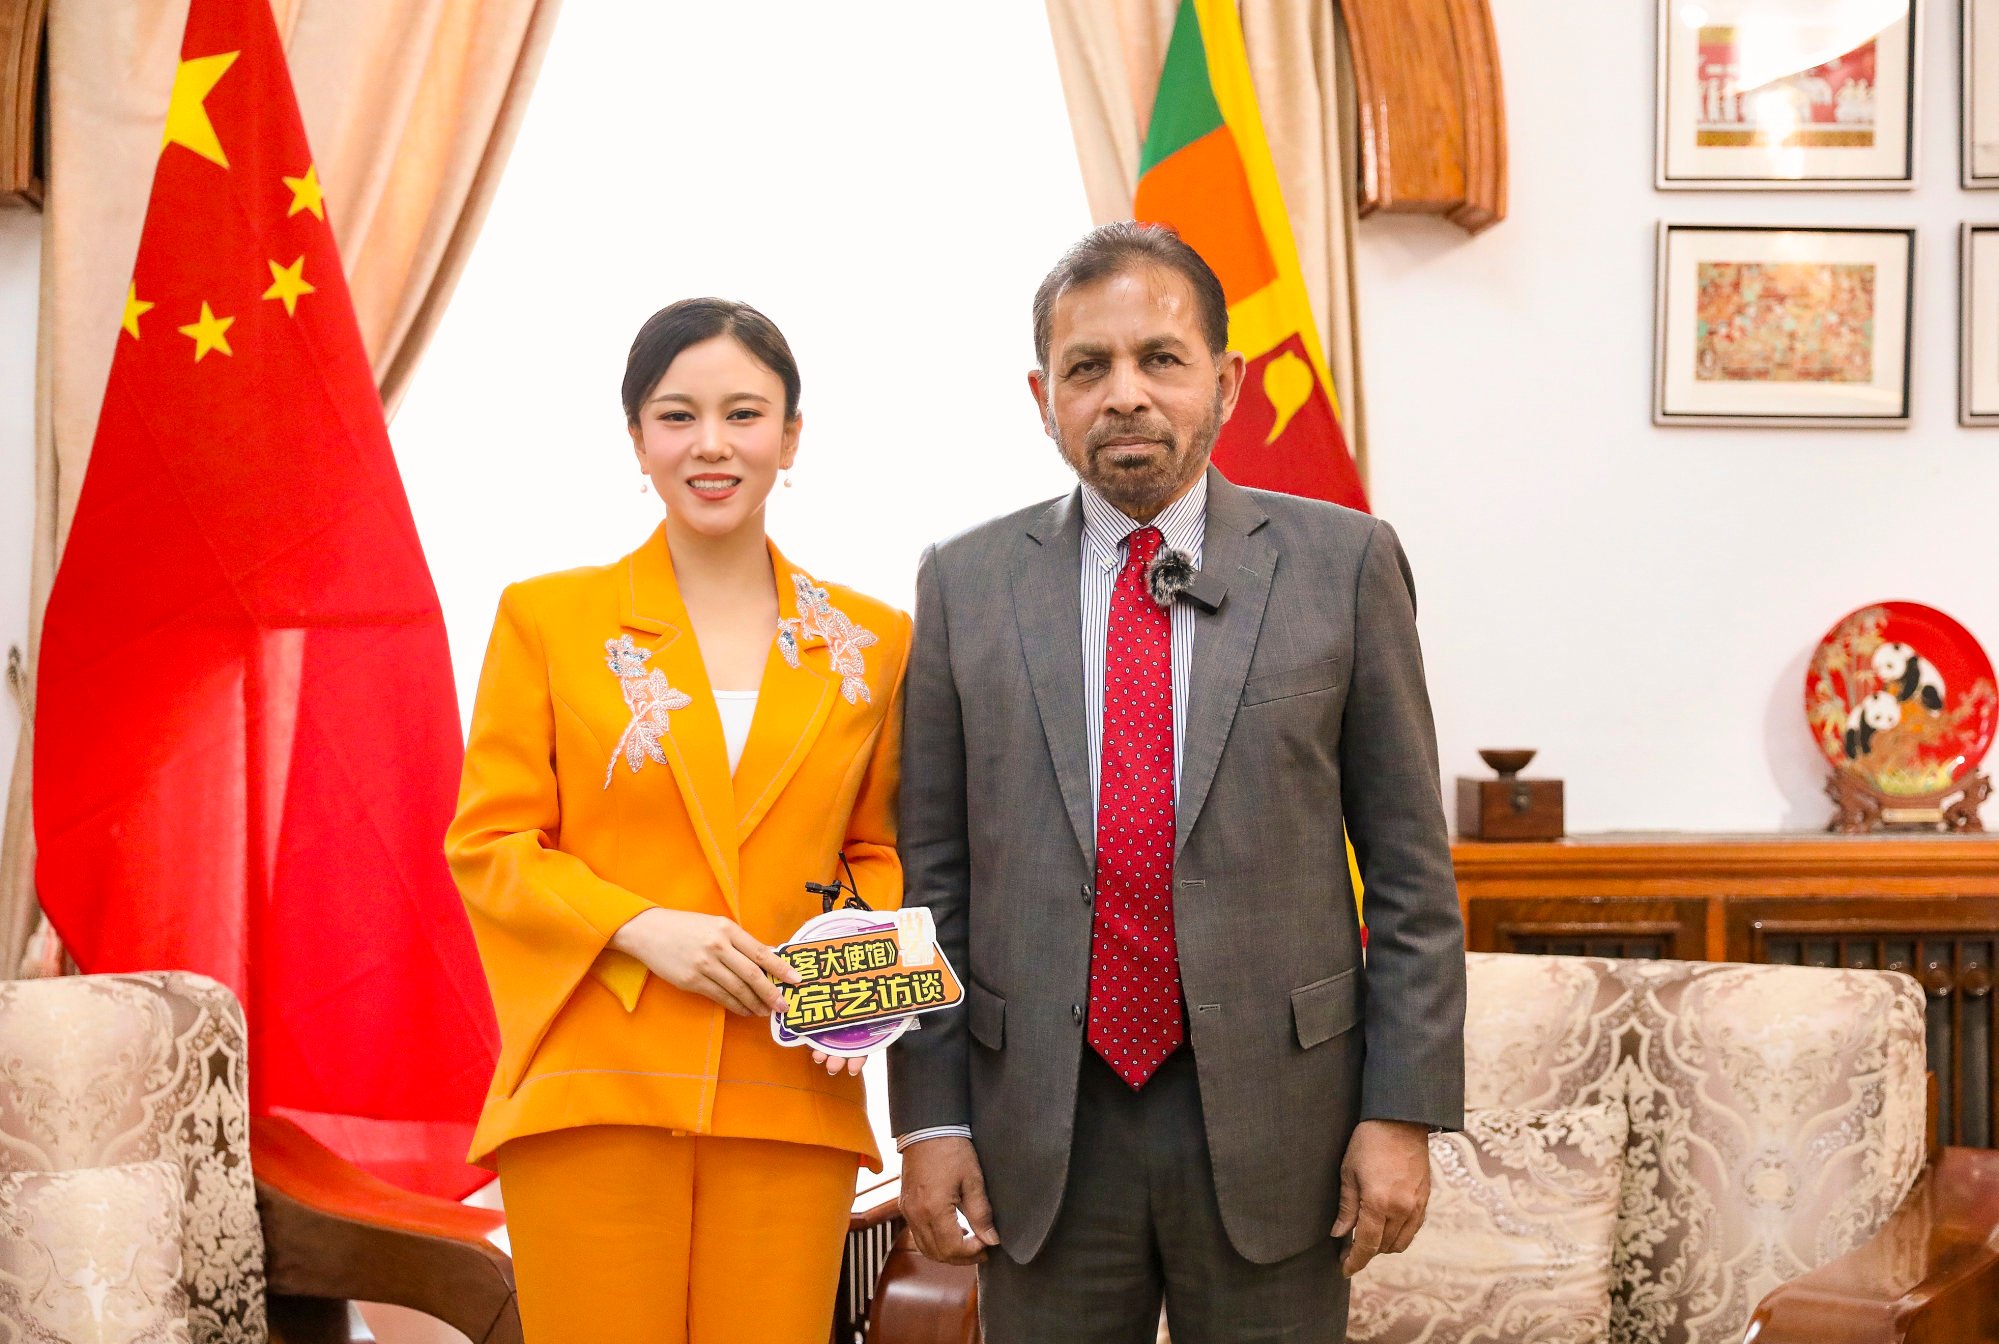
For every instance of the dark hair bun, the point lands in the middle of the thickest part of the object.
(691, 321)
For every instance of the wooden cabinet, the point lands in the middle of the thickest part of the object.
(1927, 906)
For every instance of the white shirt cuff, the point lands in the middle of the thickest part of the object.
(903, 1141)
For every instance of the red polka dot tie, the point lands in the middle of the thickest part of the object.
(1135, 1018)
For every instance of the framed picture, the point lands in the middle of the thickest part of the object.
(1979, 115)
(1978, 325)
(1771, 326)
(1787, 94)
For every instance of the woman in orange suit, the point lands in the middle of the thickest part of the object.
(664, 751)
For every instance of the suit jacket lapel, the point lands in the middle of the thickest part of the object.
(1048, 609)
(1232, 550)
(693, 745)
(793, 704)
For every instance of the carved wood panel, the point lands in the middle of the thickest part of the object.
(22, 53)
(1589, 927)
(1432, 109)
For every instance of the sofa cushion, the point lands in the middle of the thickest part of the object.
(1517, 1242)
(93, 1255)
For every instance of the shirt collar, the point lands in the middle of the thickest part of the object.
(1182, 524)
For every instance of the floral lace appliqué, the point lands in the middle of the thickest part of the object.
(818, 618)
(650, 699)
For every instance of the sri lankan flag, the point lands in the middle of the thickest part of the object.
(1206, 171)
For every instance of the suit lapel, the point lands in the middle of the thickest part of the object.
(1233, 552)
(693, 745)
(1048, 609)
(793, 704)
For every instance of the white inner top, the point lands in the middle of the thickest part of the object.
(737, 708)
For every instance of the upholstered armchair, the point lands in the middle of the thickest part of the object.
(130, 1169)
(1664, 1153)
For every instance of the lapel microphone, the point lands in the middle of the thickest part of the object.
(1172, 574)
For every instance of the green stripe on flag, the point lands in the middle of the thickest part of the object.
(1184, 109)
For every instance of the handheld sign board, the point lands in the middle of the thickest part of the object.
(866, 976)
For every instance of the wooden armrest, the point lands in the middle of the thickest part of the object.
(332, 1231)
(1930, 1276)
(919, 1301)
(875, 1205)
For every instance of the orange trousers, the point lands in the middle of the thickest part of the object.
(626, 1234)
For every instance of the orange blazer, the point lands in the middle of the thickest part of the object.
(597, 785)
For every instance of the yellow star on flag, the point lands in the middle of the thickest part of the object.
(187, 116)
(288, 283)
(305, 193)
(135, 308)
(210, 333)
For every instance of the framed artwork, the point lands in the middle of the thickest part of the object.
(1979, 113)
(1788, 94)
(1978, 325)
(1771, 326)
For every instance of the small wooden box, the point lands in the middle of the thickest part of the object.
(1510, 809)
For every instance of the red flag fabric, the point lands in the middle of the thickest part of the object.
(247, 740)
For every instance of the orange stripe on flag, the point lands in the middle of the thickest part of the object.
(1203, 192)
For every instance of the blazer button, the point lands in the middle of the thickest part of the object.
(1076, 1013)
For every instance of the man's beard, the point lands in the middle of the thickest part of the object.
(1140, 485)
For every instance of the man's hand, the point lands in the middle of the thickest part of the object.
(940, 1177)
(1384, 1189)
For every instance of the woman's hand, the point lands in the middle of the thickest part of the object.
(707, 955)
(834, 1063)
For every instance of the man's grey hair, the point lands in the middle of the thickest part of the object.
(1112, 249)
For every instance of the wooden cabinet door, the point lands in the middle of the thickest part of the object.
(1589, 926)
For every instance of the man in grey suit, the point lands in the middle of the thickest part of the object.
(1137, 719)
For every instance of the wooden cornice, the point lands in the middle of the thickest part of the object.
(1432, 109)
(22, 23)
(1689, 861)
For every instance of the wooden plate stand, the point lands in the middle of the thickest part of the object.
(1864, 809)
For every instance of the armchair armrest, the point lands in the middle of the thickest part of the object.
(332, 1232)
(919, 1301)
(1930, 1276)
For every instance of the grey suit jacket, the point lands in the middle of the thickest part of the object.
(1307, 709)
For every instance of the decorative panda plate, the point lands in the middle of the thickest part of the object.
(1902, 696)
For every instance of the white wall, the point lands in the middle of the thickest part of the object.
(1640, 603)
(888, 182)
(20, 284)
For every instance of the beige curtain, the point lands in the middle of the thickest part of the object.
(410, 107)
(1110, 52)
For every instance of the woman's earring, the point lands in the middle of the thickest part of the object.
(645, 483)
(787, 480)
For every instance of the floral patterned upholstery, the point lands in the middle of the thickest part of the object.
(109, 1070)
(1516, 1244)
(1777, 1115)
(93, 1254)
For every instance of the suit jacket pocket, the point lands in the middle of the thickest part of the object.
(987, 1013)
(1304, 680)
(1325, 1008)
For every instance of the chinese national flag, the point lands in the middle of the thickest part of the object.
(1206, 171)
(247, 744)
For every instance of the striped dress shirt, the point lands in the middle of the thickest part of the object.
(1183, 524)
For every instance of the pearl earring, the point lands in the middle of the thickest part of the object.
(787, 480)
(645, 483)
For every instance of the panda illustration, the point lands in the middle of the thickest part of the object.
(1909, 675)
(1876, 714)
